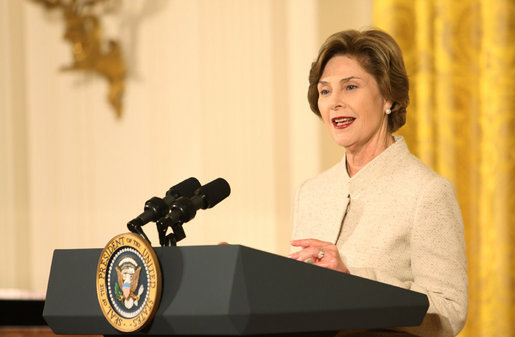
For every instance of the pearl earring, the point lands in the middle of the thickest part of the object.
(388, 111)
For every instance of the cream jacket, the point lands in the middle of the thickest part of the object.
(401, 226)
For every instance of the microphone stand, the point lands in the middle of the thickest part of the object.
(177, 232)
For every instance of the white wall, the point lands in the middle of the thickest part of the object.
(215, 89)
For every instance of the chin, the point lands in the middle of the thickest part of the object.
(341, 141)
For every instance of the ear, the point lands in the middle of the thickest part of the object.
(387, 105)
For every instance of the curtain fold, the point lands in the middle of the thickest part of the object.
(460, 57)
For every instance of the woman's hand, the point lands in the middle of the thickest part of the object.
(321, 253)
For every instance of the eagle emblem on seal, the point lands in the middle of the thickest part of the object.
(126, 289)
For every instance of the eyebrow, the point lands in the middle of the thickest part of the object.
(343, 80)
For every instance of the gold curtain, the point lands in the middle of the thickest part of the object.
(460, 56)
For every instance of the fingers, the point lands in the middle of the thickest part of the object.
(321, 253)
(309, 242)
(306, 253)
(312, 250)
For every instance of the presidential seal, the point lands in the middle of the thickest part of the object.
(128, 282)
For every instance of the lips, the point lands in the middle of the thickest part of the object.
(342, 122)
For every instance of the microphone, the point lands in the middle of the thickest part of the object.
(185, 208)
(156, 208)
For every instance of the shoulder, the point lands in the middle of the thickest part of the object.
(408, 173)
(403, 179)
(433, 197)
(422, 178)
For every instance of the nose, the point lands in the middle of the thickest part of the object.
(337, 100)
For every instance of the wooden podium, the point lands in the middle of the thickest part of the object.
(233, 290)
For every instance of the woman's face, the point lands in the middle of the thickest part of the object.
(351, 105)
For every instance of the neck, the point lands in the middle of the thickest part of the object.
(357, 159)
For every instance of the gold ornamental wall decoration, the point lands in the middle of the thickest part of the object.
(90, 51)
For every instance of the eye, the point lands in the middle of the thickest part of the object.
(351, 87)
(324, 92)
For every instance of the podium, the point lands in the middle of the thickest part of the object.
(233, 290)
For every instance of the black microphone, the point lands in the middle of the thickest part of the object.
(185, 208)
(156, 208)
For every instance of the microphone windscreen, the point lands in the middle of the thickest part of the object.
(214, 192)
(184, 189)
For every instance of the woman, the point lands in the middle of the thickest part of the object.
(380, 213)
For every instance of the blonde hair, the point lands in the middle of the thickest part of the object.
(380, 56)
